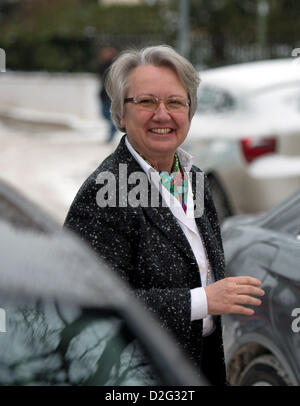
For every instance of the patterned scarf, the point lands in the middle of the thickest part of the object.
(175, 182)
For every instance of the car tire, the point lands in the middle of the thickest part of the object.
(220, 198)
(265, 370)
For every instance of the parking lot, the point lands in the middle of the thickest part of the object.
(48, 163)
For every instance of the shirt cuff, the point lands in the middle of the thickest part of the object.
(198, 304)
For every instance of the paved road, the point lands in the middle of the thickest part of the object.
(47, 163)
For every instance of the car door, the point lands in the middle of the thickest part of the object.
(285, 302)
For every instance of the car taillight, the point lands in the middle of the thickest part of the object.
(255, 147)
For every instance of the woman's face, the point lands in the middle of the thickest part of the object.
(144, 128)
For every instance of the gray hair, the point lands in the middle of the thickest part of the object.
(117, 81)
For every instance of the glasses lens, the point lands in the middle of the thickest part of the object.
(176, 104)
(146, 102)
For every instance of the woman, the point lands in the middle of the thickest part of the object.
(173, 260)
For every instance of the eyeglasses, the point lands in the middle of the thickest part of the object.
(151, 103)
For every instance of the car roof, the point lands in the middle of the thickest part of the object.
(253, 76)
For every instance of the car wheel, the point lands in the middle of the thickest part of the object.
(265, 370)
(220, 198)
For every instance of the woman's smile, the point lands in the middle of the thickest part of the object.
(161, 131)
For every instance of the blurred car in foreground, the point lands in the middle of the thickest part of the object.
(246, 134)
(66, 319)
(264, 349)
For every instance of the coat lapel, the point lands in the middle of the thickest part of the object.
(161, 217)
(164, 220)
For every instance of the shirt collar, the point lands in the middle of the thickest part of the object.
(186, 160)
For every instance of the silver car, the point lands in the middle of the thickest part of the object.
(246, 134)
(264, 349)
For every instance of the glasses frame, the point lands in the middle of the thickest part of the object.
(158, 101)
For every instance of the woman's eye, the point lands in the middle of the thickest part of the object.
(175, 103)
(147, 101)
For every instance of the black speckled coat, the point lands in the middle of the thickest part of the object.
(148, 249)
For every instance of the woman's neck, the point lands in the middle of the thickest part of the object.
(161, 164)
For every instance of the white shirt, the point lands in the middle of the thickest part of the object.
(190, 230)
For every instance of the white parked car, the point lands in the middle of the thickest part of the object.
(246, 134)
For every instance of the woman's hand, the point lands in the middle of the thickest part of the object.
(231, 295)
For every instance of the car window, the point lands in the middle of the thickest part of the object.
(284, 218)
(57, 344)
(214, 99)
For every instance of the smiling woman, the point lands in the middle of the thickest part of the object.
(172, 258)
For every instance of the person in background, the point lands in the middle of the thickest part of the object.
(172, 258)
(105, 58)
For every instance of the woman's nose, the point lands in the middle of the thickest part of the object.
(161, 111)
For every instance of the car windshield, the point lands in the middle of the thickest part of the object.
(213, 99)
(47, 343)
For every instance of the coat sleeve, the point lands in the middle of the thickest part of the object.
(110, 232)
